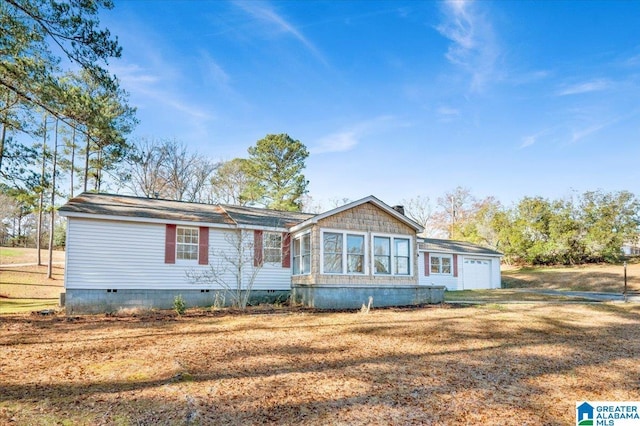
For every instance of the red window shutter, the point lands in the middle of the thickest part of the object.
(455, 265)
(257, 248)
(170, 244)
(203, 246)
(427, 266)
(286, 250)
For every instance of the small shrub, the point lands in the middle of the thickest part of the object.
(179, 305)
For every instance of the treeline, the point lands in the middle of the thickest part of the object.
(582, 228)
(56, 124)
(270, 176)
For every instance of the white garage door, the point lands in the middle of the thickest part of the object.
(477, 273)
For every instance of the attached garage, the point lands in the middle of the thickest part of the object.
(458, 265)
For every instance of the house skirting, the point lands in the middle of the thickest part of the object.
(91, 301)
(354, 296)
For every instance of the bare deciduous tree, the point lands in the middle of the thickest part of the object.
(234, 270)
(419, 209)
(454, 208)
(167, 169)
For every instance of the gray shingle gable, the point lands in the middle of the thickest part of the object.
(451, 246)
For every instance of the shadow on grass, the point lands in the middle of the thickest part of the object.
(405, 371)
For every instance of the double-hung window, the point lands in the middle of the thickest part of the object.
(302, 254)
(343, 253)
(187, 243)
(332, 252)
(441, 265)
(401, 256)
(382, 255)
(355, 254)
(272, 247)
(391, 255)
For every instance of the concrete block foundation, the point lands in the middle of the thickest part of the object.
(89, 301)
(353, 297)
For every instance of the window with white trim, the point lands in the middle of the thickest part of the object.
(382, 255)
(391, 255)
(401, 256)
(343, 253)
(332, 253)
(272, 247)
(187, 243)
(441, 264)
(355, 254)
(302, 254)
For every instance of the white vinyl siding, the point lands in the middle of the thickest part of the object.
(457, 283)
(97, 259)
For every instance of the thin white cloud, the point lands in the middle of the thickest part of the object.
(528, 141)
(586, 87)
(213, 71)
(473, 42)
(141, 82)
(447, 114)
(531, 140)
(580, 134)
(577, 135)
(350, 137)
(262, 12)
(133, 75)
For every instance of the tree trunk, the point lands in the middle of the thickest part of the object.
(4, 129)
(96, 184)
(53, 203)
(2, 139)
(73, 157)
(41, 202)
(86, 162)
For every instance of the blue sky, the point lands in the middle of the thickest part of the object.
(397, 99)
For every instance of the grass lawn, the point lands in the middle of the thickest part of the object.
(27, 288)
(12, 255)
(504, 295)
(492, 364)
(599, 278)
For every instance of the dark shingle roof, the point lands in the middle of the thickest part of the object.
(258, 217)
(451, 246)
(152, 208)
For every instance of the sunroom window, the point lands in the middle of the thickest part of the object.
(302, 254)
(391, 255)
(343, 253)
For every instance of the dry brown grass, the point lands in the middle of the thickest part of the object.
(27, 288)
(600, 278)
(13, 255)
(509, 364)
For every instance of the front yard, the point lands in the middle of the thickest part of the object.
(493, 364)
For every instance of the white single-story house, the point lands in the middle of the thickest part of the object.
(125, 251)
(458, 265)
